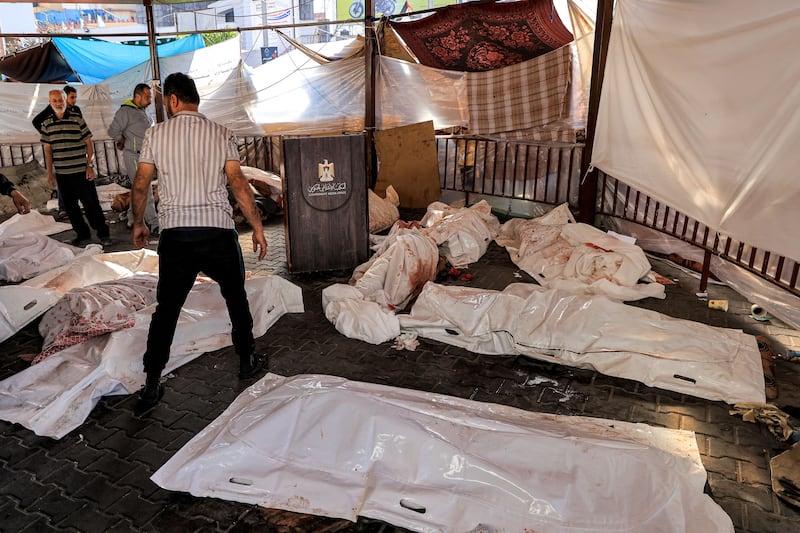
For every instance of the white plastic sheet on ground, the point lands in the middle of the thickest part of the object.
(427, 462)
(462, 233)
(698, 110)
(55, 396)
(33, 222)
(559, 253)
(25, 256)
(399, 268)
(593, 332)
(383, 211)
(20, 304)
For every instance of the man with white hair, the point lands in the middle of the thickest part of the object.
(69, 154)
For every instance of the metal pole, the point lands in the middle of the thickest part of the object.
(587, 196)
(370, 48)
(264, 20)
(151, 39)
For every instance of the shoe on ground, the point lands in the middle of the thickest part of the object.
(106, 241)
(256, 362)
(80, 242)
(151, 393)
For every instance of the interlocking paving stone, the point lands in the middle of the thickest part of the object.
(55, 506)
(135, 508)
(97, 477)
(758, 495)
(151, 456)
(735, 510)
(15, 519)
(139, 480)
(752, 473)
(111, 466)
(90, 519)
(101, 491)
(25, 489)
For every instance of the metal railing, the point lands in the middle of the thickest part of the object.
(539, 172)
(259, 152)
(547, 173)
(619, 200)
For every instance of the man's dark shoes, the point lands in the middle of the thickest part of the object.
(80, 242)
(250, 367)
(106, 241)
(151, 393)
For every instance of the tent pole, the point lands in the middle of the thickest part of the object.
(587, 198)
(370, 58)
(151, 40)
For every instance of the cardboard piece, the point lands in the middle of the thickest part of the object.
(407, 160)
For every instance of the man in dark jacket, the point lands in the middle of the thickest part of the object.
(20, 202)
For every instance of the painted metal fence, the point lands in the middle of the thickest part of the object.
(549, 173)
(618, 200)
(259, 152)
(543, 173)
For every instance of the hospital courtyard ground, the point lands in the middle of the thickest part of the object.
(97, 477)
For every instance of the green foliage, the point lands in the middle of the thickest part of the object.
(216, 38)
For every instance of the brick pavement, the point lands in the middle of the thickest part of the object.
(97, 477)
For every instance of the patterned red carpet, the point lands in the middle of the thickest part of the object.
(476, 37)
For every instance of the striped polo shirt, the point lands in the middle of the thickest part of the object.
(190, 152)
(67, 139)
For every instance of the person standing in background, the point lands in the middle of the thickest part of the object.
(127, 129)
(72, 106)
(69, 154)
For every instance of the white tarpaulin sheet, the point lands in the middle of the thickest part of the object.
(593, 332)
(56, 395)
(462, 233)
(25, 256)
(20, 304)
(561, 254)
(558, 326)
(33, 222)
(428, 462)
(698, 110)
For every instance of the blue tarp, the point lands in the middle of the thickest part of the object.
(93, 60)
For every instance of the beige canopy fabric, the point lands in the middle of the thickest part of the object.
(698, 110)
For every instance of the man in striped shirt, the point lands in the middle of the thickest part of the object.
(68, 153)
(195, 158)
